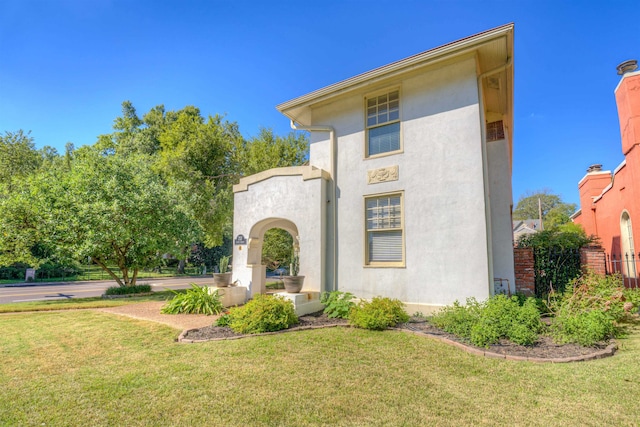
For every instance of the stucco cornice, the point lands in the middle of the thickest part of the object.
(294, 107)
(307, 172)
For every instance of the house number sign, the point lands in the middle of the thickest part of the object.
(240, 240)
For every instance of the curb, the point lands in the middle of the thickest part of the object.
(598, 354)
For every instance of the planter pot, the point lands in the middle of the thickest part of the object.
(293, 284)
(221, 280)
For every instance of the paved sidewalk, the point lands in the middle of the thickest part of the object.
(151, 311)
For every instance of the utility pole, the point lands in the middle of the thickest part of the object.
(540, 213)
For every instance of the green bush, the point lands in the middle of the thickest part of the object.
(337, 304)
(590, 309)
(486, 323)
(224, 320)
(197, 300)
(127, 290)
(585, 328)
(263, 314)
(458, 319)
(378, 314)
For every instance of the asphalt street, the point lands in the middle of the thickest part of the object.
(68, 290)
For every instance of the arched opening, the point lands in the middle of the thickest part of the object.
(256, 244)
(277, 256)
(626, 235)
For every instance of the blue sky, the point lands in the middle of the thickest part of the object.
(67, 65)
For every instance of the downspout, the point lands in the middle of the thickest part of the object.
(334, 189)
(485, 165)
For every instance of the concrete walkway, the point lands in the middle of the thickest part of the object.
(151, 311)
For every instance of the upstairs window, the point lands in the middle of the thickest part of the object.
(385, 243)
(383, 123)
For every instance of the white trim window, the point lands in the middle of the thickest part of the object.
(384, 229)
(383, 123)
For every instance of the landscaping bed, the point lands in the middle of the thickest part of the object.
(544, 348)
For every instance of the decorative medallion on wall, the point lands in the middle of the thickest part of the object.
(375, 176)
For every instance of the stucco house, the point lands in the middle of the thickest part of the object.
(610, 201)
(407, 193)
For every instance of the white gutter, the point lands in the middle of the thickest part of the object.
(485, 165)
(334, 187)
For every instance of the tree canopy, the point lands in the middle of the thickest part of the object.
(160, 184)
(554, 211)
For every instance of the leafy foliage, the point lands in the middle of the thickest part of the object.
(378, 314)
(337, 304)
(127, 290)
(276, 249)
(223, 264)
(556, 256)
(554, 211)
(591, 308)
(263, 314)
(486, 323)
(224, 320)
(197, 300)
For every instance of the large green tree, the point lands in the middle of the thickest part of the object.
(554, 211)
(112, 210)
(18, 157)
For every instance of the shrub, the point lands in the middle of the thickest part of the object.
(197, 300)
(590, 309)
(486, 323)
(378, 314)
(585, 328)
(458, 319)
(337, 304)
(127, 290)
(224, 320)
(263, 314)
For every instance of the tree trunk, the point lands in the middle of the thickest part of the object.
(181, 265)
(109, 272)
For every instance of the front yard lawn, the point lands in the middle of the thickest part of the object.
(91, 368)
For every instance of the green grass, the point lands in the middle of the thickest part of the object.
(89, 368)
(82, 303)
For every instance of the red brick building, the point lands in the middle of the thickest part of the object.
(610, 201)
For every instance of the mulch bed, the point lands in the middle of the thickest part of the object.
(545, 348)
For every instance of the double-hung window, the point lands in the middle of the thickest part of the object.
(383, 123)
(385, 242)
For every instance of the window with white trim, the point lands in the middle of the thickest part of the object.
(384, 225)
(383, 123)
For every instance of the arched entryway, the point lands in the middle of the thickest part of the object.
(255, 244)
(293, 199)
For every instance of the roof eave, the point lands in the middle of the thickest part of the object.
(431, 56)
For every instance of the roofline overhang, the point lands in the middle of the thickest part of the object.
(429, 57)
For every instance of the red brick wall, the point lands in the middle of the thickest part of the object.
(592, 257)
(525, 274)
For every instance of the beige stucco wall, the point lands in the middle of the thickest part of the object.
(284, 201)
(501, 198)
(441, 175)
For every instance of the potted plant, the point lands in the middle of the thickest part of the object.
(223, 278)
(293, 283)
